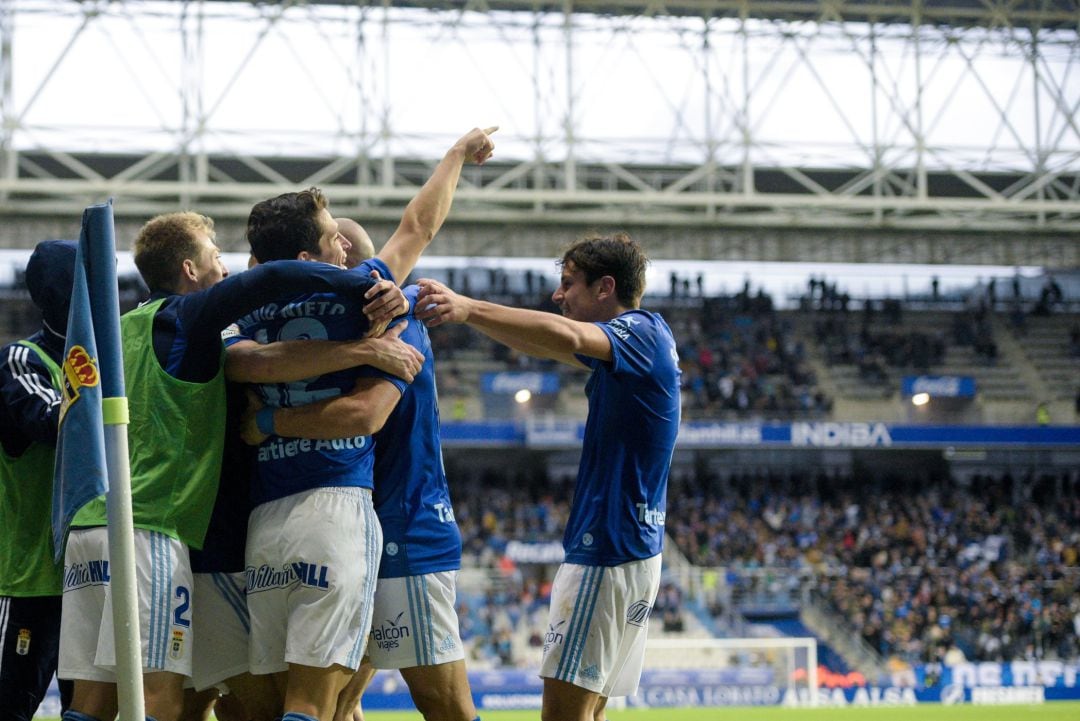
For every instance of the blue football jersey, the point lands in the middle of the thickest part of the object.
(412, 499)
(620, 501)
(284, 466)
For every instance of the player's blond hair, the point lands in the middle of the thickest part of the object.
(164, 243)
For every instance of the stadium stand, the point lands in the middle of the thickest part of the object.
(923, 569)
(887, 571)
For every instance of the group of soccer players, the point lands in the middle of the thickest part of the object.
(260, 570)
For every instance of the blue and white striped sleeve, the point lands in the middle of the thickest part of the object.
(28, 393)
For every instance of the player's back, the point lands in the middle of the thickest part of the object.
(411, 493)
(289, 465)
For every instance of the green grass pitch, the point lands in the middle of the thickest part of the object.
(1056, 711)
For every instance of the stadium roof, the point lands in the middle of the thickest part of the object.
(619, 114)
(1059, 14)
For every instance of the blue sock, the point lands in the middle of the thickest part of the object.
(70, 715)
(150, 718)
(296, 716)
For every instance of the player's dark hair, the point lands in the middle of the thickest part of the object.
(618, 256)
(281, 228)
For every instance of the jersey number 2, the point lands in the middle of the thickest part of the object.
(180, 614)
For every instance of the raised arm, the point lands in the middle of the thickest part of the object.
(425, 213)
(292, 360)
(534, 332)
(361, 412)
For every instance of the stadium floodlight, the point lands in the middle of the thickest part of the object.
(920, 399)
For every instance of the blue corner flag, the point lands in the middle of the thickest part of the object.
(92, 369)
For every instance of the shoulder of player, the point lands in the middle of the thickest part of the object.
(635, 322)
(18, 358)
(12, 360)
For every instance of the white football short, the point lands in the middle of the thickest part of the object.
(312, 561)
(598, 625)
(415, 622)
(221, 615)
(164, 580)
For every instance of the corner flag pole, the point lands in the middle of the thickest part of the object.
(105, 309)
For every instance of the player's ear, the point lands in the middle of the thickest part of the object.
(188, 269)
(605, 287)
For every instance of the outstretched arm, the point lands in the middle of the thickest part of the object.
(285, 361)
(361, 412)
(534, 332)
(425, 213)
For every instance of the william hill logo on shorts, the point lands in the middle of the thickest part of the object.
(390, 634)
(89, 573)
(312, 575)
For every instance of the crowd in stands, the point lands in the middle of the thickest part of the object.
(739, 357)
(874, 350)
(742, 359)
(875, 339)
(924, 569)
(989, 571)
(493, 509)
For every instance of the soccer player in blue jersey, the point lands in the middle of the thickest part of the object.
(605, 589)
(314, 541)
(219, 606)
(416, 625)
(173, 360)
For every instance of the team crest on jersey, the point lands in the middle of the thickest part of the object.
(80, 370)
(176, 649)
(638, 613)
(22, 645)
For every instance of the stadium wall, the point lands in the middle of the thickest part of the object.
(719, 435)
(1026, 682)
